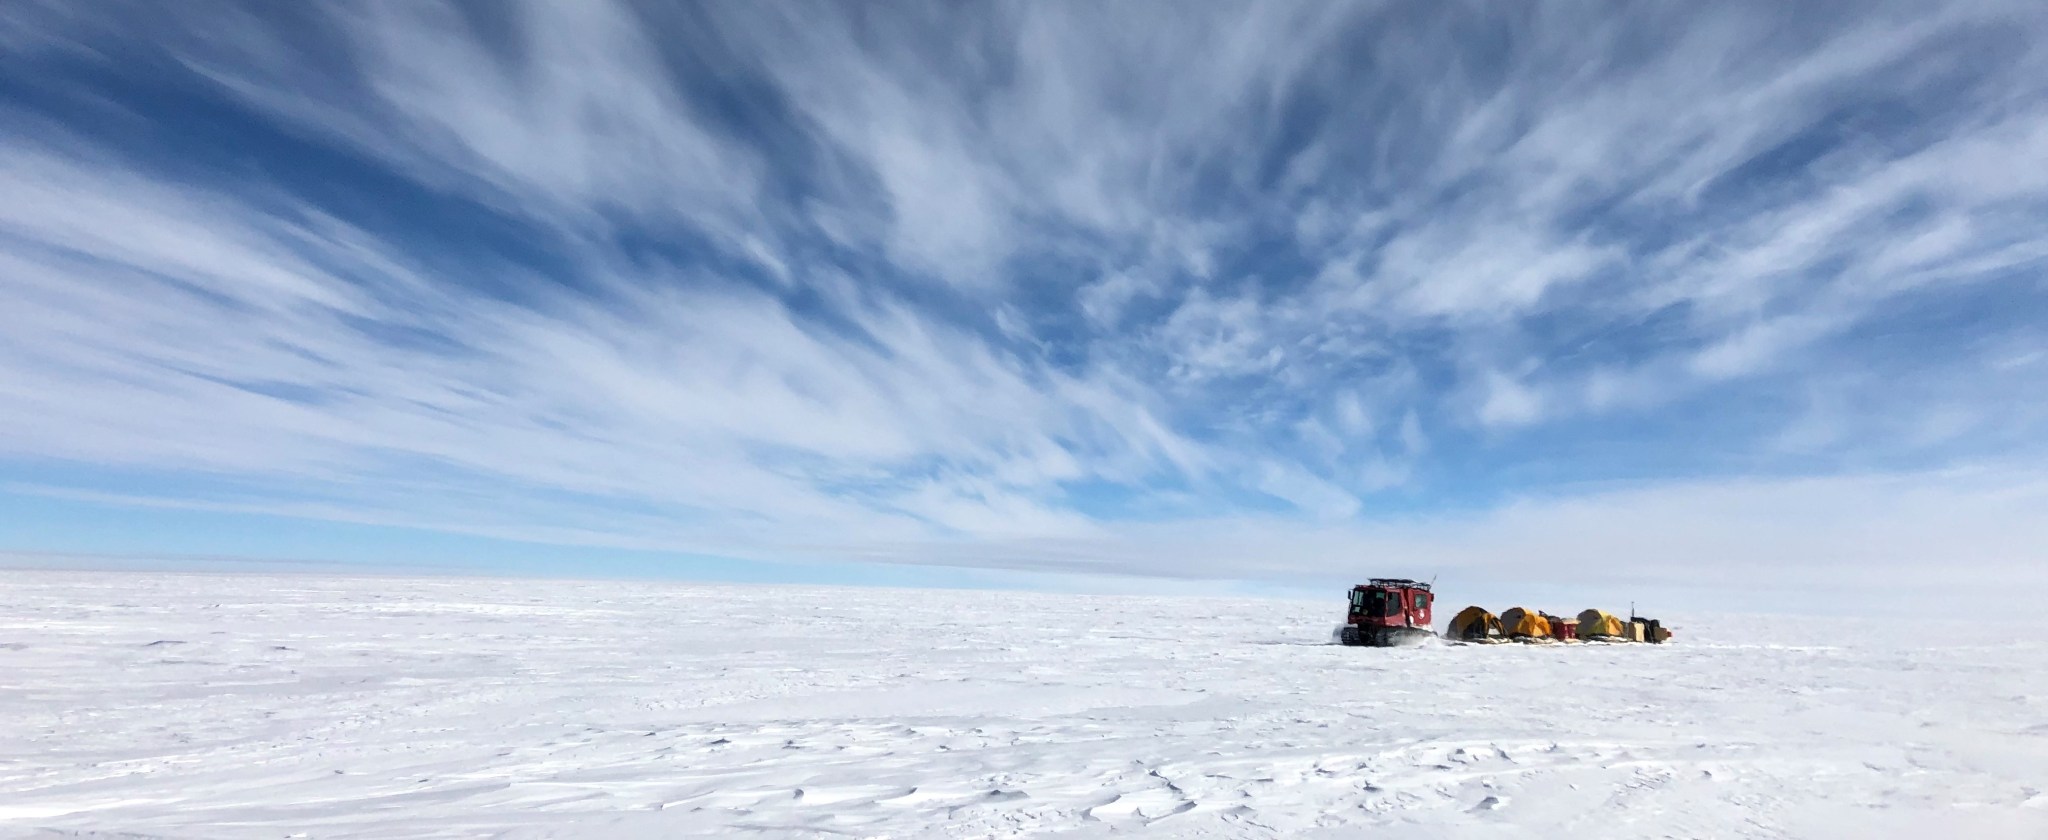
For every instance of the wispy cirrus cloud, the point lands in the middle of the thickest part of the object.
(156, 316)
(936, 282)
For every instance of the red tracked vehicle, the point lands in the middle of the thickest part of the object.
(1388, 612)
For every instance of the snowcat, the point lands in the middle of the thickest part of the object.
(1388, 612)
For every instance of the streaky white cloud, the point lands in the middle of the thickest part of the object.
(1031, 284)
(1306, 491)
(1756, 347)
(706, 401)
(1509, 403)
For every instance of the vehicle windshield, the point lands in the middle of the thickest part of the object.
(1375, 602)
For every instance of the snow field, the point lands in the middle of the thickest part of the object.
(232, 706)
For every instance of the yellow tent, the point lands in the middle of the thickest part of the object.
(1525, 623)
(1597, 623)
(1473, 623)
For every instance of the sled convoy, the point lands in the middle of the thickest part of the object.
(1396, 611)
(1475, 624)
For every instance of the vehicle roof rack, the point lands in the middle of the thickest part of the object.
(1400, 582)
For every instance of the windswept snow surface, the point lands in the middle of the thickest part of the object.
(230, 706)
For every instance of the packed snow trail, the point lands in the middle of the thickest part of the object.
(194, 706)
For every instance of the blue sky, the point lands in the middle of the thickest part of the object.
(1269, 294)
